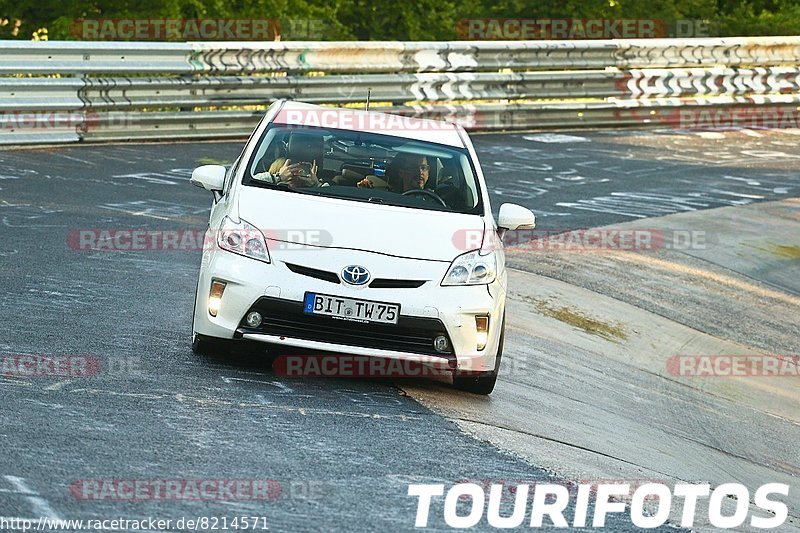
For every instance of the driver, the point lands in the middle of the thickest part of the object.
(406, 172)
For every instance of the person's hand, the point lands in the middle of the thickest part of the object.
(366, 183)
(292, 175)
(288, 171)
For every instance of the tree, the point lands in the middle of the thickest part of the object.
(395, 19)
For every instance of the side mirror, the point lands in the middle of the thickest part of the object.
(209, 177)
(513, 217)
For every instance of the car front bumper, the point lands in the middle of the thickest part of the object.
(277, 292)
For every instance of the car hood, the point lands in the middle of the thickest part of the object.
(336, 223)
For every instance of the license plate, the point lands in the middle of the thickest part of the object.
(351, 309)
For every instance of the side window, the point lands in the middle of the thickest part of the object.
(265, 153)
(229, 176)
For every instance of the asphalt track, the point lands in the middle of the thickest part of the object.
(342, 451)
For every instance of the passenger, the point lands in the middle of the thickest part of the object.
(282, 170)
(307, 151)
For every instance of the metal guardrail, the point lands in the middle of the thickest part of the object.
(143, 92)
(67, 57)
(115, 91)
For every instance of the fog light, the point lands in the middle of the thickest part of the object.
(253, 319)
(482, 331)
(440, 343)
(215, 297)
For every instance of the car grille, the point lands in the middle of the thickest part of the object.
(286, 318)
(313, 273)
(378, 283)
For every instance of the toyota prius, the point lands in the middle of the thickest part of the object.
(361, 233)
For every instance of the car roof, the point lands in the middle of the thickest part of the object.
(303, 114)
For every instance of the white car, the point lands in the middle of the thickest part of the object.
(375, 238)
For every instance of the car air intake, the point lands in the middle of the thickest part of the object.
(396, 283)
(324, 275)
(286, 318)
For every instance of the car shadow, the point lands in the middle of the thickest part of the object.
(262, 359)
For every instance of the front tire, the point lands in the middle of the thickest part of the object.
(484, 383)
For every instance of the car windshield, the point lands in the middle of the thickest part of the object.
(365, 167)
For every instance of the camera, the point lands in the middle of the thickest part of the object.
(305, 168)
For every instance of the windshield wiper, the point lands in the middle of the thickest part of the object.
(341, 196)
(278, 186)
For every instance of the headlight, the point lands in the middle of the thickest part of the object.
(243, 239)
(472, 269)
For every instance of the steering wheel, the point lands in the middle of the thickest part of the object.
(425, 193)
